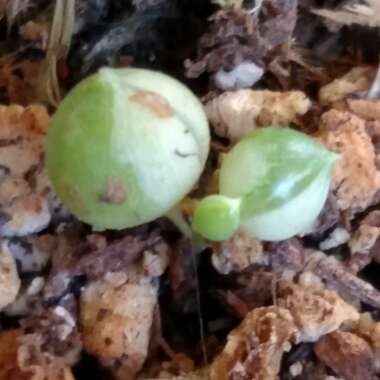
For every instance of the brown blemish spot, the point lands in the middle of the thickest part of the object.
(114, 193)
(102, 314)
(108, 341)
(154, 102)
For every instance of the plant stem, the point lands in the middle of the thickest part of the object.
(177, 218)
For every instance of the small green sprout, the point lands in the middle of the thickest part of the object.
(125, 146)
(218, 215)
(273, 184)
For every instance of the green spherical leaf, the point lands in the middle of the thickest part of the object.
(282, 177)
(125, 146)
(216, 217)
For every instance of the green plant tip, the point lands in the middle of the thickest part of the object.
(125, 146)
(217, 217)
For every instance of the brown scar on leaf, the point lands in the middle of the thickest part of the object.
(154, 103)
(115, 192)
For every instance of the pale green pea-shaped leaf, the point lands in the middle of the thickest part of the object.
(125, 146)
(281, 178)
